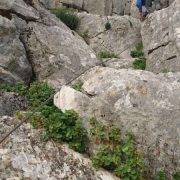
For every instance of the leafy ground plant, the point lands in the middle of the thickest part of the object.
(18, 88)
(115, 154)
(106, 54)
(140, 61)
(60, 126)
(68, 17)
(108, 25)
(78, 86)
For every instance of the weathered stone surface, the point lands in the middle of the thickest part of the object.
(10, 103)
(123, 35)
(101, 7)
(12, 53)
(106, 7)
(50, 4)
(141, 102)
(57, 55)
(125, 61)
(118, 63)
(21, 8)
(8, 77)
(25, 156)
(77, 100)
(161, 39)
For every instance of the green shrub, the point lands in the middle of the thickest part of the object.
(65, 127)
(38, 93)
(117, 155)
(108, 26)
(78, 86)
(161, 176)
(106, 54)
(138, 52)
(140, 63)
(18, 88)
(176, 176)
(67, 17)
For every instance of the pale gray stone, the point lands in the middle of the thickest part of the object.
(141, 102)
(12, 52)
(25, 156)
(123, 34)
(57, 55)
(161, 39)
(20, 8)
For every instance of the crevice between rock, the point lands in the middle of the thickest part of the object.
(172, 57)
(162, 45)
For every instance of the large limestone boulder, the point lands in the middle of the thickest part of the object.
(25, 156)
(123, 34)
(13, 58)
(57, 54)
(161, 39)
(138, 101)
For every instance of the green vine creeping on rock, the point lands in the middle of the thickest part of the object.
(115, 154)
(140, 61)
(68, 17)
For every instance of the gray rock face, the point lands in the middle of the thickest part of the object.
(8, 77)
(118, 63)
(21, 8)
(123, 34)
(50, 4)
(25, 156)
(148, 105)
(10, 103)
(161, 39)
(12, 53)
(111, 7)
(124, 62)
(57, 54)
(101, 7)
